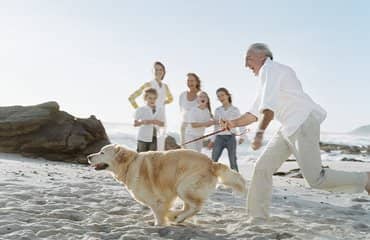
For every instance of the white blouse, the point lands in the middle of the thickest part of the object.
(185, 104)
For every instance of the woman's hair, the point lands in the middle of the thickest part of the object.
(208, 103)
(162, 66)
(197, 79)
(149, 91)
(222, 89)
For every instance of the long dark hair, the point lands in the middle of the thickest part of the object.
(162, 66)
(222, 89)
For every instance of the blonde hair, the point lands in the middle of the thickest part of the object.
(197, 79)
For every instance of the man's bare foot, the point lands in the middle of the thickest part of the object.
(368, 184)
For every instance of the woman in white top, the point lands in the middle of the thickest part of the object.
(226, 139)
(197, 120)
(188, 100)
(164, 96)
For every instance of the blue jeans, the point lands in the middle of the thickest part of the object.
(228, 142)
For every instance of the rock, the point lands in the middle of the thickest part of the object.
(347, 149)
(45, 131)
(351, 160)
(171, 143)
(293, 173)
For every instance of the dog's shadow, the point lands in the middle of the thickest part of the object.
(185, 231)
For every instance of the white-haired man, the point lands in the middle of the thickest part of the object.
(281, 96)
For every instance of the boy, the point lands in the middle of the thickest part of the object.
(149, 118)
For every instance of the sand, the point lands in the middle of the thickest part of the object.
(41, 199)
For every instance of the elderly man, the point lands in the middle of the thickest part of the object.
(281, 96)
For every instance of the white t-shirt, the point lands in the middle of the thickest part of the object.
(185, 104)
(281, 92)
(145, 132)
(230, 113)
(196, 115)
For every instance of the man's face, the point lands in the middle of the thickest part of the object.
(254, 61)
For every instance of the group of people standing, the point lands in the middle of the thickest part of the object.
(196, 116)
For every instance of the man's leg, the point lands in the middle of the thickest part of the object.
(217, 148)
(259, 193)
(305, 146)
(231, 150)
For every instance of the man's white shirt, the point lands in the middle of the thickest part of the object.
(281, 92)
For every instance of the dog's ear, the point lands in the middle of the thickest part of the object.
(120, 153)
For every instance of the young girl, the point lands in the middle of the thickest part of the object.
(197, 120)
(188, 100)
(226, 139)
(164, 96)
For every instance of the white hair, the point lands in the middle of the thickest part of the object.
(261, 47)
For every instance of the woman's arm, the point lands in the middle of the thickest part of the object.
(169, 97)
(137, 93)
(202, 124)
(138, 123)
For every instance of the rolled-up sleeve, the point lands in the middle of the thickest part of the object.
(269, 91)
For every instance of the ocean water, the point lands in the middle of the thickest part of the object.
(123, 133)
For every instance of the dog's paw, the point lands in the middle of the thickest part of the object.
(172, 215)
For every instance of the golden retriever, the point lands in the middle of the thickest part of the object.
(156, 179)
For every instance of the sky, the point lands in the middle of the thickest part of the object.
(90, 55)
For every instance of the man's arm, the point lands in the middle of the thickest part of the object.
(267, 116)
(243, 120)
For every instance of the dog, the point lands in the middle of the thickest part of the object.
(157, 178)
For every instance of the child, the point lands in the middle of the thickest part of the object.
(226, 139)
(149, 118)
(197, 120)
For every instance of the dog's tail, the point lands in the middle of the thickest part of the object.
(229, 177)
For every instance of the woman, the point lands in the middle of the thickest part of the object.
(188, 100)
(197, 119)
(164, 95)
(226, 139)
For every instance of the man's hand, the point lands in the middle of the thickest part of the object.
(257, 141)
(210, 123)
(226, 124)
(241, 140)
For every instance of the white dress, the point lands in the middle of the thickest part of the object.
(185, 106)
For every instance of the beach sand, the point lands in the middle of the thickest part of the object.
(42, 199)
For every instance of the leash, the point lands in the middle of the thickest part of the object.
(214, 133)
(204, 136)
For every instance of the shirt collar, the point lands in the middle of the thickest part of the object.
(267, 62)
